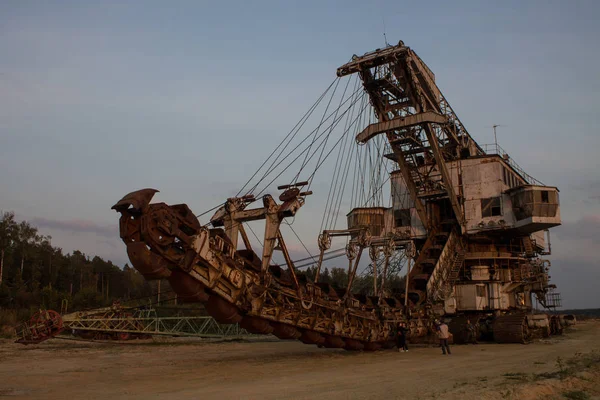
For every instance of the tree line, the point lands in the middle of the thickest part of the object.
(35, 274)
(363, 282)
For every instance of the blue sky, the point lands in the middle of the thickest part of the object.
(101, 98)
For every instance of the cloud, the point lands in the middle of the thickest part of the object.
(590, 189)
(78, 226)
(586, 228)
(577, 281)
(575, 261)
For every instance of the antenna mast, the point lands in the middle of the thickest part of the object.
(495, 138)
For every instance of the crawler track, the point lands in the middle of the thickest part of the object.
(512, 328)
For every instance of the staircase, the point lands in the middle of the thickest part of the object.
(447, 270)
(453, 276)
(411, 144)
(415, 152)
(425, 265)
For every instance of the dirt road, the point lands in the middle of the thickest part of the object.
(61, 369)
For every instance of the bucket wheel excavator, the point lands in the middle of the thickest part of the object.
(465, 221)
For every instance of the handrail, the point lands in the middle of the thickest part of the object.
(494, 148)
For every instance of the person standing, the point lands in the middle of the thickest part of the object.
(443, 335)
(471, 332)
(401, 337)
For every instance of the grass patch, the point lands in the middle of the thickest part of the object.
(512, 374)
(580, 362)
(576, 395)
(516, 376)
(508, 393)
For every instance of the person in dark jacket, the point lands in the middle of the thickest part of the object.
(401, 337)
(471, 332)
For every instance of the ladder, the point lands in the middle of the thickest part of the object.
(528, 245)
(457, 264)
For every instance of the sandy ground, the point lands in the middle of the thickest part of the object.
(175, 369)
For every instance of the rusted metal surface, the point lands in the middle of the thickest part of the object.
(475, 246)
(512, 328)
(204, 267)
(43, 325)
(188, 289)
(138, 200)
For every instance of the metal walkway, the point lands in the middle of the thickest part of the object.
(205, 327)
(122, 324)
